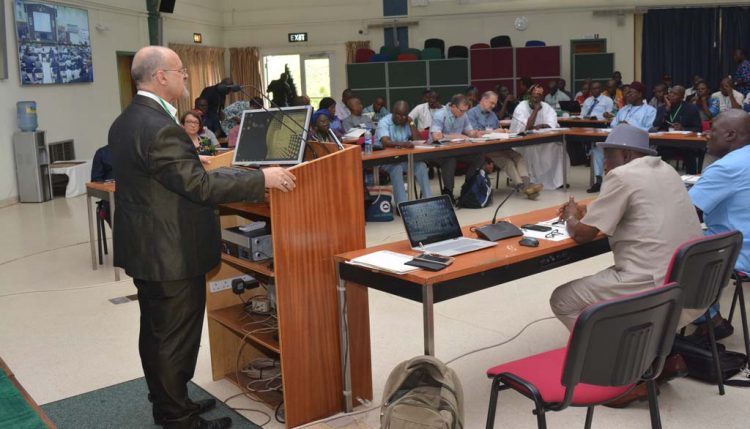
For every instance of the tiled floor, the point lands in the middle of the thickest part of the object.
(62, 336)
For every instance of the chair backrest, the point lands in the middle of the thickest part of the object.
(407, 57)
(535, 43)
(703, 266)
(500, 42)
(414, 51)
(431, 54)
(458, 51)
(363, 55)
(379, 58)
(439, 44)
(622, 341)
(479, 46)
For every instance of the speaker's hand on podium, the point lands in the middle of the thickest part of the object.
(279, 178)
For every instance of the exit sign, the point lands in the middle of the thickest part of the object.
(297, 37)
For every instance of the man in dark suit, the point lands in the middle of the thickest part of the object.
(166, 233)
(216, 96)
(678, 115)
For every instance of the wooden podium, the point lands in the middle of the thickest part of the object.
(322, 217)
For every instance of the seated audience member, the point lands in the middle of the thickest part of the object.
(617, 77)
(586, 81)
(452, 119)
(472, 96)
(506, 103)
(723, 192)
(544, 160)
(378, 108)
(327, 106)
(102, 171)
(614, 92)
(524, 84)
(356, 119)
(659, 98)
(597, 104)
(708, 106)
(635, 113)
(561, 87)
(690, 92)
(193, 125)
(301, 100)
(342, 109)
(729, 98)
(742, 73)
(397, 130)
(555, 96)
(233, 115)
(679, 115)
(481, 118)
(422, 113)
(644, 210)
(584, 93)
(321, 124)
(666, 79)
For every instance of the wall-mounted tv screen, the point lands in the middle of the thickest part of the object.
(53, 42)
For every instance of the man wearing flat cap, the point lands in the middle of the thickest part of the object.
(636, 113)
(645, 211)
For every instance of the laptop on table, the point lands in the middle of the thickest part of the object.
(571, 106)
(432, 226)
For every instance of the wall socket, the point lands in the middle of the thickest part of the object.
(224, 284)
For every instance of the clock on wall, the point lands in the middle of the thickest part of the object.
(521, 23)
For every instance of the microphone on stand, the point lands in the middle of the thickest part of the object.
(499, 230)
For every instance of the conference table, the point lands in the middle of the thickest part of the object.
(425, 151)
(469, 273)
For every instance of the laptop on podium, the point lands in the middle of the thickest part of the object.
(432, 226)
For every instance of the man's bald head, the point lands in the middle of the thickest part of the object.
(729, 131)
(146, 62)
(401, 107)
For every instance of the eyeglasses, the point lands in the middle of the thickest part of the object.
(183, 70)
(552, 234)
(192, 122)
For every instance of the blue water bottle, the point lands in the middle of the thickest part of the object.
(368, 142)
(26, 114)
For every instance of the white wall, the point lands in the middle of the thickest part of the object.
(84, 112)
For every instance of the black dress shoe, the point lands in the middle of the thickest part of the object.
(220, 423)
(449, 193)
(204, 405)
(594, 188)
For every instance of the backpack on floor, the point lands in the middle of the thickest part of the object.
(378, 204)
(422, 393)
(476, 192)
(700, 361)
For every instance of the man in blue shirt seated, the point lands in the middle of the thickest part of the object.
(597, 104)
(636, 113)
(484, 120)
(397, 130)
(723, 192)
(378, 108)
(452, 119)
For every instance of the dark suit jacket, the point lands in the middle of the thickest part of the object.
(165, 225)
(688, 116)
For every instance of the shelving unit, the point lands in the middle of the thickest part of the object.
(322, 217)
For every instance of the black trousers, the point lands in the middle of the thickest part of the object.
(448, 167)
(691, 157)
(170, 336)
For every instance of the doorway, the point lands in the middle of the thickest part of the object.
(124, 80)
(309, 73)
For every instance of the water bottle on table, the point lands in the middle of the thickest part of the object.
(367, 146)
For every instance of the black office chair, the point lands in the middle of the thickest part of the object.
(501, 42)
(436, 43)
(458, 51)
(703, 267)
(614, 345)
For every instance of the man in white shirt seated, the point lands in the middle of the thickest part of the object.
(555, 96)
(422, 114)
(597, 104)
(342, 109)
(377, 108)
(729, 98)
(545, 160)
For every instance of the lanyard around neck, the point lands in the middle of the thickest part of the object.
(166, 109)
(631, 111)
(673, 116)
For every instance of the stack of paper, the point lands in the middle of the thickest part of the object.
(354, 133)
(690, 179)
(385, 260)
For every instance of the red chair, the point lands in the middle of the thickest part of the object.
(363, 55)
(407, 57)
(479, 46)
(614, 345)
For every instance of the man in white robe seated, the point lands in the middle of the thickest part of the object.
(545, 161)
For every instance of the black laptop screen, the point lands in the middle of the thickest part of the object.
(430, 220)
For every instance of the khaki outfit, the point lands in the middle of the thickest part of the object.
(513, 164)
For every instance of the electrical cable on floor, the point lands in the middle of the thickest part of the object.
(42, 251)
(340, 416)
(501, 343)
(26, 292)
(276, 413)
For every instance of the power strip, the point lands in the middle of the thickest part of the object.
(263, 369)
(224, 284)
